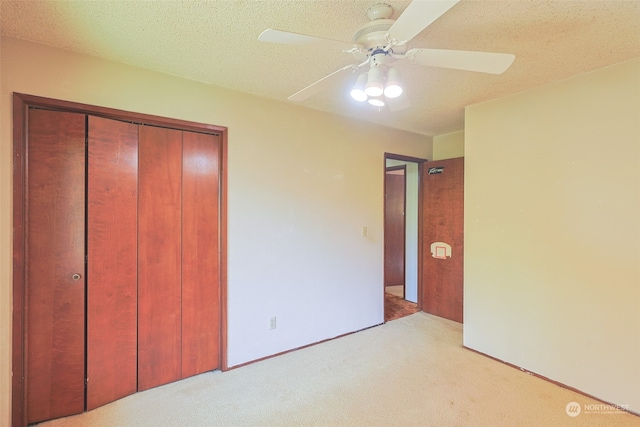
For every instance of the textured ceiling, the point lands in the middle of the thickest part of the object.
(217, 42)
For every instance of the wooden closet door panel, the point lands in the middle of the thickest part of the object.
(200, 260)
(394, 227)
(55, 303)
(159, 256)
(443, 213)
(112, 202)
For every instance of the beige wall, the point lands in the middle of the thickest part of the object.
(448, 146)
(302, 183)
(552, 231)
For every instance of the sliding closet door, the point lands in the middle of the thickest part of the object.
(55, 298)
(159, 256)
(112, 201)
(200, 275)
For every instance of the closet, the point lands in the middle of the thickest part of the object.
(121, 288)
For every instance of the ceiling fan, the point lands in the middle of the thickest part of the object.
(381, 42)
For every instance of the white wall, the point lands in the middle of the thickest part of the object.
(552, 231)
(302, 183)
(411, 216)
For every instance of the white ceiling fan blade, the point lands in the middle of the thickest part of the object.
(285, 37)
(399, 103)
(418, 16)
(484, 62)
(316, 87)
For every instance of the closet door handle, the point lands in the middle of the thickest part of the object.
(76, 276)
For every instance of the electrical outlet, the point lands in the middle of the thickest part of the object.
(272, 323)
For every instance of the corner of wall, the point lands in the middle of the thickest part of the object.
(448, 146)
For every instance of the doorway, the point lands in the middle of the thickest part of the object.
(434, 238)
(401, 258)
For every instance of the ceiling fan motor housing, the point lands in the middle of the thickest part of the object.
(373, 36)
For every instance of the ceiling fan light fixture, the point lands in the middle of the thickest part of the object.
(358, 91)
(374, 90)
(375, 82)
(392, 89)
(381, 42)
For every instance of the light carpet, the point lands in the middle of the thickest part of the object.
(408, 372)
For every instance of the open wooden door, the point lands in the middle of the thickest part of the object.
(442, 187)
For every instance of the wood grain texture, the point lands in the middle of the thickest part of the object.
(394, 228)
(18, 365)
(159, 256)
(21, 106)
(443, 216)
(200, 249)
(112, 205)
(55, 302)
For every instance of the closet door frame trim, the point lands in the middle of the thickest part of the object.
(21, 105)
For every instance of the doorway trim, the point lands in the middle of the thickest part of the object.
(420, 162)
(21, 105)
